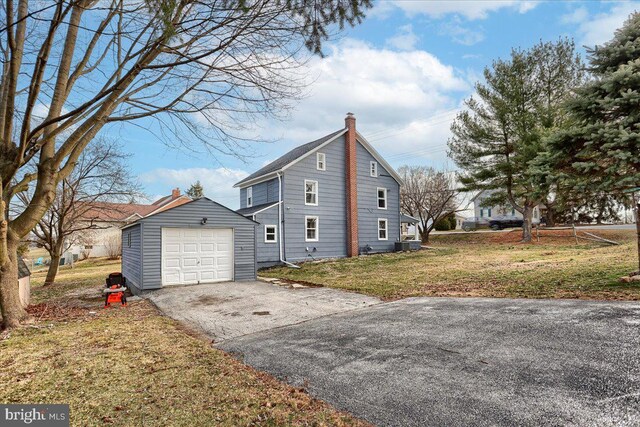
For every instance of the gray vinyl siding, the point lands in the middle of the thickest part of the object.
(331, 208)
(132, 255)
(368, 212)
(264, 192)
(190, 215)
(267, 252)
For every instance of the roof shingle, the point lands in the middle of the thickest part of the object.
(289, 157)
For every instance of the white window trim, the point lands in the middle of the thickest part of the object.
(323, 161)
(306, 181)
(373, 169)
(317, 239)
(275, 233)
(249, 197)
(386, 199)
(386, 229)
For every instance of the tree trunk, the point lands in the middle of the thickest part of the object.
(638, 231)
(10, 306)
(551, 217)
(53, 268)
(527, 215)
(424, 235)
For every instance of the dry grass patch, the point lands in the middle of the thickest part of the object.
(486, 264)
(134, 367)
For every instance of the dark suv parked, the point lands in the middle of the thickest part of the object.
(500, 222)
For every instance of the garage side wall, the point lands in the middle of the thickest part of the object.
(190, 215)
(132, 255)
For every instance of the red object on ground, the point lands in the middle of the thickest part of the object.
(116, 288)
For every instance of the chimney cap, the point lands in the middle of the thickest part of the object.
(350, 115)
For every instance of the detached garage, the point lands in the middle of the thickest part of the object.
(198, 242)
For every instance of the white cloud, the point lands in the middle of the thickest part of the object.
(599, 28)
(398, 98)
(405, 39)
(461, 33)
(469, 9)
(217, 183)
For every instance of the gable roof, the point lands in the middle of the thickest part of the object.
(103, 211)
(257, 209)
(23, 270)
(283, 162)
(183, 204)
(289, 157)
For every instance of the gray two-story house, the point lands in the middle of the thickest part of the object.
(332, 197)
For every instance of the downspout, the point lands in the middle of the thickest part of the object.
(280, 207)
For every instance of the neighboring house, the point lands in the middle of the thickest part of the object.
(483, 211)
(459, 220)
(199, 241)
(109, 218)
(24, 282)
(332, 197)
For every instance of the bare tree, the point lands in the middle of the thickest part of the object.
(100, 176)
(428, 195)
(198, 70)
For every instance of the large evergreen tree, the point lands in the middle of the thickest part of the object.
(601, 148)
(502, 130)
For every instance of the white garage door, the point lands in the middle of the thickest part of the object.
(196, 255)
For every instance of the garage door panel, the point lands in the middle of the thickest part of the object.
(189, 262)
(190, 248)
(172, 248)
(172, 262)
(207, 262)
(207, 247)
(193, 256)
(208, 276)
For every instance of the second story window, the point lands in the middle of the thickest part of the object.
(249, 197)
(382, 198)
(373, 169)
(310, 192)
(321, 163)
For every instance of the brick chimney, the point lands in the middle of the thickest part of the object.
(351, 185)
(175, 193)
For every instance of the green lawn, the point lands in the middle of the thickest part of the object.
(485, 264)
(133, 367)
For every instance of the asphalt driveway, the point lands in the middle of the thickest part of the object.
(232, 309)
(463, 362)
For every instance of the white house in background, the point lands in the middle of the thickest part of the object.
(24, 282)
(109, 218)
(481, 210)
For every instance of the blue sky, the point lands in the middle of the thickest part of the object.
(404, 73)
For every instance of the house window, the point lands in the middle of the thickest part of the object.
(88, 246)
(311, 228)
(481, 212)
(382, 198)
(270, 234)
(382, 229)
(129, 239)
(310, 192)
(249, 197)
(373, 169)
(489, 212)
(513, 212)
(321, 162)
